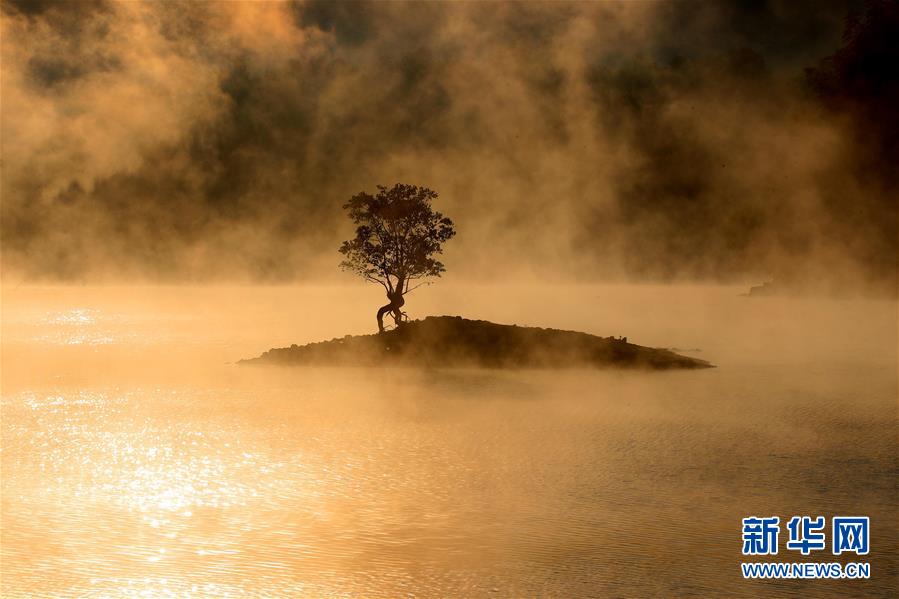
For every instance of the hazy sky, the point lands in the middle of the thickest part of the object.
(651, 140)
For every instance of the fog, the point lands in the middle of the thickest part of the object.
(138, 459)
(172, 176)
(177, 334)
(216, 141)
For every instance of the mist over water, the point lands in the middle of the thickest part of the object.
(138, 460)
(593, 141)
(212, 146)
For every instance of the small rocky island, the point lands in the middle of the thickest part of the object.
(452, 342)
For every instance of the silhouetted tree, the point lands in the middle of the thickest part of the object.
(398, 234)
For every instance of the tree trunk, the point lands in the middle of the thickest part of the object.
(381, 312)
(396, 302)
(397, 313)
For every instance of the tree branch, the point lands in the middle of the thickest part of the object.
(376, 280)
(408, 290)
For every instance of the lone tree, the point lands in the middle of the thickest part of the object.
(397, 236)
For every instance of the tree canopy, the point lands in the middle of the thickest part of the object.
(398, 236)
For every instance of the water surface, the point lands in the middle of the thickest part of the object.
(138, 460)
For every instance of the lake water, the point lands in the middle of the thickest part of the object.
(139, 461)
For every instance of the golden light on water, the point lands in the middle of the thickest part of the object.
(704, 191)
(78, 326)
(77, 316)
(133, 488)
(137, 464)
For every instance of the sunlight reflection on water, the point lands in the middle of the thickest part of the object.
(80, 326)
(135, 469)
